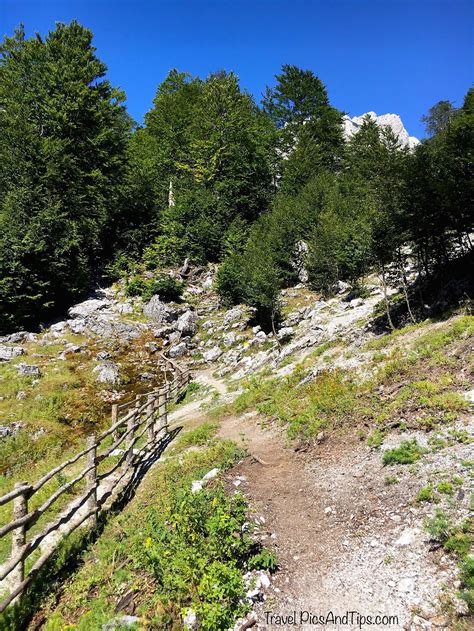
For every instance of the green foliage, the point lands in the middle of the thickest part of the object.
(466, 577)
(425, 494)
(167, 287)
(63, 140)
(445, 487)
(376, 438)
(408, 452)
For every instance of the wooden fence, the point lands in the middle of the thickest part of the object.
(137, 427)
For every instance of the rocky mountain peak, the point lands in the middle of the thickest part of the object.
(352, 125)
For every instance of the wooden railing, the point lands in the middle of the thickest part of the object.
(137, 427)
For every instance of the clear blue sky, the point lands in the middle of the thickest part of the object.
(399, 56)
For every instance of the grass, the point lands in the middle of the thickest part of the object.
(408, 452)
(171, 550)
(429, 393)
(457, 540)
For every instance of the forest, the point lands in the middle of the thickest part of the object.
(87, 196)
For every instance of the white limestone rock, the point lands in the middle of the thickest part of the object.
(352, 125)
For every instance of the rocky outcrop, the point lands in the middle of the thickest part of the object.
(352, 125)
(9, 352)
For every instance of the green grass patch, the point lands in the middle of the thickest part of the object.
(408, 452)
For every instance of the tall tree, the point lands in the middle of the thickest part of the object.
(63, 135)
(310, 136)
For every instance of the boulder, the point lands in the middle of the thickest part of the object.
(107, 372)
(285, 333)
(187, 323)
(157, 310)
(28, 370)
(232, 315)
(88, 307)
(9, 352)
(213, 354)
(229, 339)
(177, 351)
(14, 338)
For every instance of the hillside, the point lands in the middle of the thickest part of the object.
(364, 439)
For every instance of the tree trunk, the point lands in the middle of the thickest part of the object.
(385, 297)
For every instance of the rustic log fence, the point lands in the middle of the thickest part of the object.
(137, 427)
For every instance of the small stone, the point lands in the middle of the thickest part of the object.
(406, 585)
(407, 537)
(28, 370)
(327, 510)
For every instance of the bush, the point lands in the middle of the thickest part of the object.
(408, 452)
(167, 287)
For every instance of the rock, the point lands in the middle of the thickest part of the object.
(207, 325)
(186, 324)
(352, 125)
(229, 339)
(10, 430)
(461, 607)
(232, 315)
(107, 372)
(207, 283)
(125, 308)
(196, 486)
(159, 311)
(407, 537)
(118, 623)
(9, 352)
(21, 394)
(299, 261)
(106, 326)
(152, 347)
(285, 333)
(211, 474)
(58, 328)
(190, 620)
(103, 355)
(147, 376)
(28, 370)
(213, 354)
(174, 337)
(327, 510)
(86, 308)
(342, 286)
(14, 338)
(77, 326)
(406, 585)
(178, 350)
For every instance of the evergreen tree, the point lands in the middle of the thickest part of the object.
(63, 136)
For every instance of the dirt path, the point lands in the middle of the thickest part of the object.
(345, 541)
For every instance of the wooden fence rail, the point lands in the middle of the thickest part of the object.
(136, 429)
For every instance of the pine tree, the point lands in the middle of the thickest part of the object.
(63, 135)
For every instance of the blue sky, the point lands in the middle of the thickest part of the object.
(399, 56)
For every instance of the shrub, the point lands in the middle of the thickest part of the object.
(167, 287)
(425, 494)
(445, 487)
(408, 452)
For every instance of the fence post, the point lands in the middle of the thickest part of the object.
(162, 411)
(129, 442)
(150, 420)
(115, 434)
(20, 509)
(92, 480)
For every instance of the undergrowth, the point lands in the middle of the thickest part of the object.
(170, 551)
